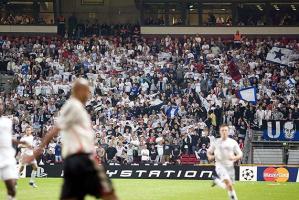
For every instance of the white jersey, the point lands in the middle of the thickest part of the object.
(29, 141)
(7, 152)
(224, 150)
(77, 135)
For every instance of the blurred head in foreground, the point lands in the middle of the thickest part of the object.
(81, 90)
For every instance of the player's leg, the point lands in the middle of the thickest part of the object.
(73, 187)
(101, 184)
(221, 175)
(11, 189)
(230, 182)
(9, 175)
(230, 189)
(21, 169)
(110, 197)
(79, 198)
(33, 174)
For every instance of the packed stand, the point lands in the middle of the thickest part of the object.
(153, 99)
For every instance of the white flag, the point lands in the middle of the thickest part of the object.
(290, 82)
(248, 173)
(248, 94)
(279, 55)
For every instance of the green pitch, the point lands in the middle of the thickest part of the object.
(49, 189)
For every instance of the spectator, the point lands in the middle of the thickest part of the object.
(241, 144)
(145, 155)
(160, 152)
(101, 154)
(50, 157)
(119, 154)
(52, 146)
(153, 154)
(176, 153)
(201, 155)
(58, 157)
(110, 153)
(204, 139)
(167, 152)
(130, 154)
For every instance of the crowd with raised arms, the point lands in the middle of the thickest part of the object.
(153, 98)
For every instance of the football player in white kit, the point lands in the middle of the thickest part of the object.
(8, 163)
(225, 151)
(82, 175)
(28, 150)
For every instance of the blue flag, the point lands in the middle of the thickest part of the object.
(248, 94)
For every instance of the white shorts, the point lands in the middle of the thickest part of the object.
(225, 172)
(9, 172)
(31, 163)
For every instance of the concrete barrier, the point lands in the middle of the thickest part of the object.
(28, 29)
(162, 30)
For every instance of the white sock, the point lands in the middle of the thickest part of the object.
(10, 197)
(220, 183)
(232, 195)
(33, 175)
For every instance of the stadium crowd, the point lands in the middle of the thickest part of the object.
(153, 99)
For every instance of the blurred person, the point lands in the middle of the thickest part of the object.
(153, 154)
(58, 157)
(225, 151)
(27, 150)
(130, 157)
(145, 154)
(176, 152)
(78, 147)
(119, 152)
(201, 154)
(167, 151)
(160, 152)
(204, 139)
(101, 154)
(50, 157)
(110, 152)
(8, 164)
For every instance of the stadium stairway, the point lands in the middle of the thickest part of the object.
(189, 159)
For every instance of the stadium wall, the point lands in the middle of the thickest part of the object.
(25, 29)
(151, 30)
(186, 172)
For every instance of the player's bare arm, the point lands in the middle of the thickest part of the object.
(210, 155)
(17, 142)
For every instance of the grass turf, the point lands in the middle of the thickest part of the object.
(133, 189)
